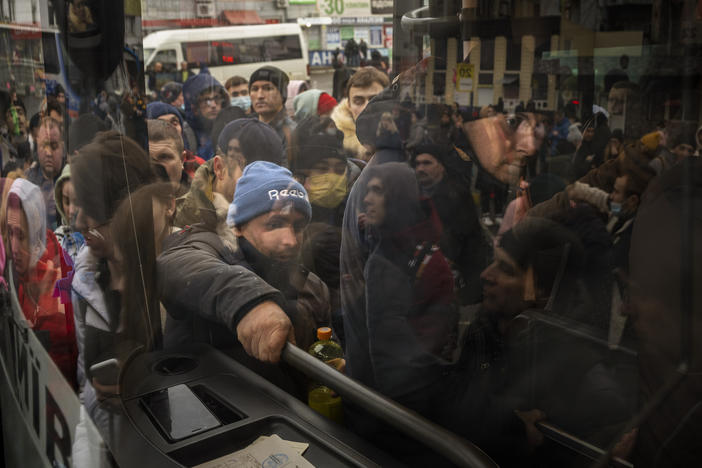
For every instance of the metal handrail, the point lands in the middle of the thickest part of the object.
(576, 444)
(458, 450)
(419, 19)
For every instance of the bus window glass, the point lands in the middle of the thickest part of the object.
(282, 48)
(51, 58)
(168, 59)
(197, 52)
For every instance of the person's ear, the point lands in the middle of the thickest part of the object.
(632, 202)
(170, 211)
(182, 155)
(218, 167)
(529, 285)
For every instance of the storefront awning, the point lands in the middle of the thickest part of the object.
(180, 23)
(236, 17)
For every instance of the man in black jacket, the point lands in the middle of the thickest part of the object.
(246, 292)
(462, 240)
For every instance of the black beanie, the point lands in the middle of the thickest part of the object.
(273, 74)
(314, 139)
(440, 152)
(258, 140)
(541, 243)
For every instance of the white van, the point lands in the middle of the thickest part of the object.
(230, 50)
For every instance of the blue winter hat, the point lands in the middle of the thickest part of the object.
(263, 187)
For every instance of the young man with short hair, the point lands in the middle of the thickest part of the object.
(363, 86)
(51, 155)
(268, 88)
(166, 112)
(238, 89)
(166, 150)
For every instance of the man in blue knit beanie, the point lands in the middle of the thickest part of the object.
(251, 295)
(270, 211)
(269, 214)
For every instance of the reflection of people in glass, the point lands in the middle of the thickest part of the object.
(80, 18)
(403, 338)
(43, 275)
(138, 229)
(661, 265)
(102, 172)
(502, 144)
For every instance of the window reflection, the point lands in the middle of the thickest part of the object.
(493, 205)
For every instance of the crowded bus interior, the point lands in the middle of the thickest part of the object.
(350, 233)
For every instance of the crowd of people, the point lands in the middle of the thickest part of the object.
(260, 210)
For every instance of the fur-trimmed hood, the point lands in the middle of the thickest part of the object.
(343, 119)
(203, 205)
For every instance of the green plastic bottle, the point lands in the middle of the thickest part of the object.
(320, 398)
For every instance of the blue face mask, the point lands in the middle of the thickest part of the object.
(242, 102)
(615, 208)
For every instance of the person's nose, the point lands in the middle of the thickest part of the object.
(289, 239)
(528, 142)
(80, 223)
(486, 276)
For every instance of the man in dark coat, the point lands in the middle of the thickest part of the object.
(462, 240)
(225, 290)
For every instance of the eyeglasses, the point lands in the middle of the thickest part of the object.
(210, 100)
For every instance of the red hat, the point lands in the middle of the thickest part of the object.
(325, 104)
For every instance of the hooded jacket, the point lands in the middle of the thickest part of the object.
(71, 241)
(43, 290)
(343, 119)
(293, 90)
(191, 92)
(305, 104)
(395, 342)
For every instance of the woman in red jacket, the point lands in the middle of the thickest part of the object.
(42, 274)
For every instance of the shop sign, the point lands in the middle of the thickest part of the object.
(346, 34)
(333, 37)
(321, 58)
(381, 7)
(344, 7)
(464, 77)
(376, 36)
(362, 33)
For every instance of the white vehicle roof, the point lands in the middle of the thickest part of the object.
(153, 40)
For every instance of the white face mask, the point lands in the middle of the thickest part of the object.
(242, 102)
(615, 208)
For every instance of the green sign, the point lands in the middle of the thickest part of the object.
(349, 8)
(303, 2)
(346, 33)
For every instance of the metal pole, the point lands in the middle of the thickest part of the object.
(458, 450)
